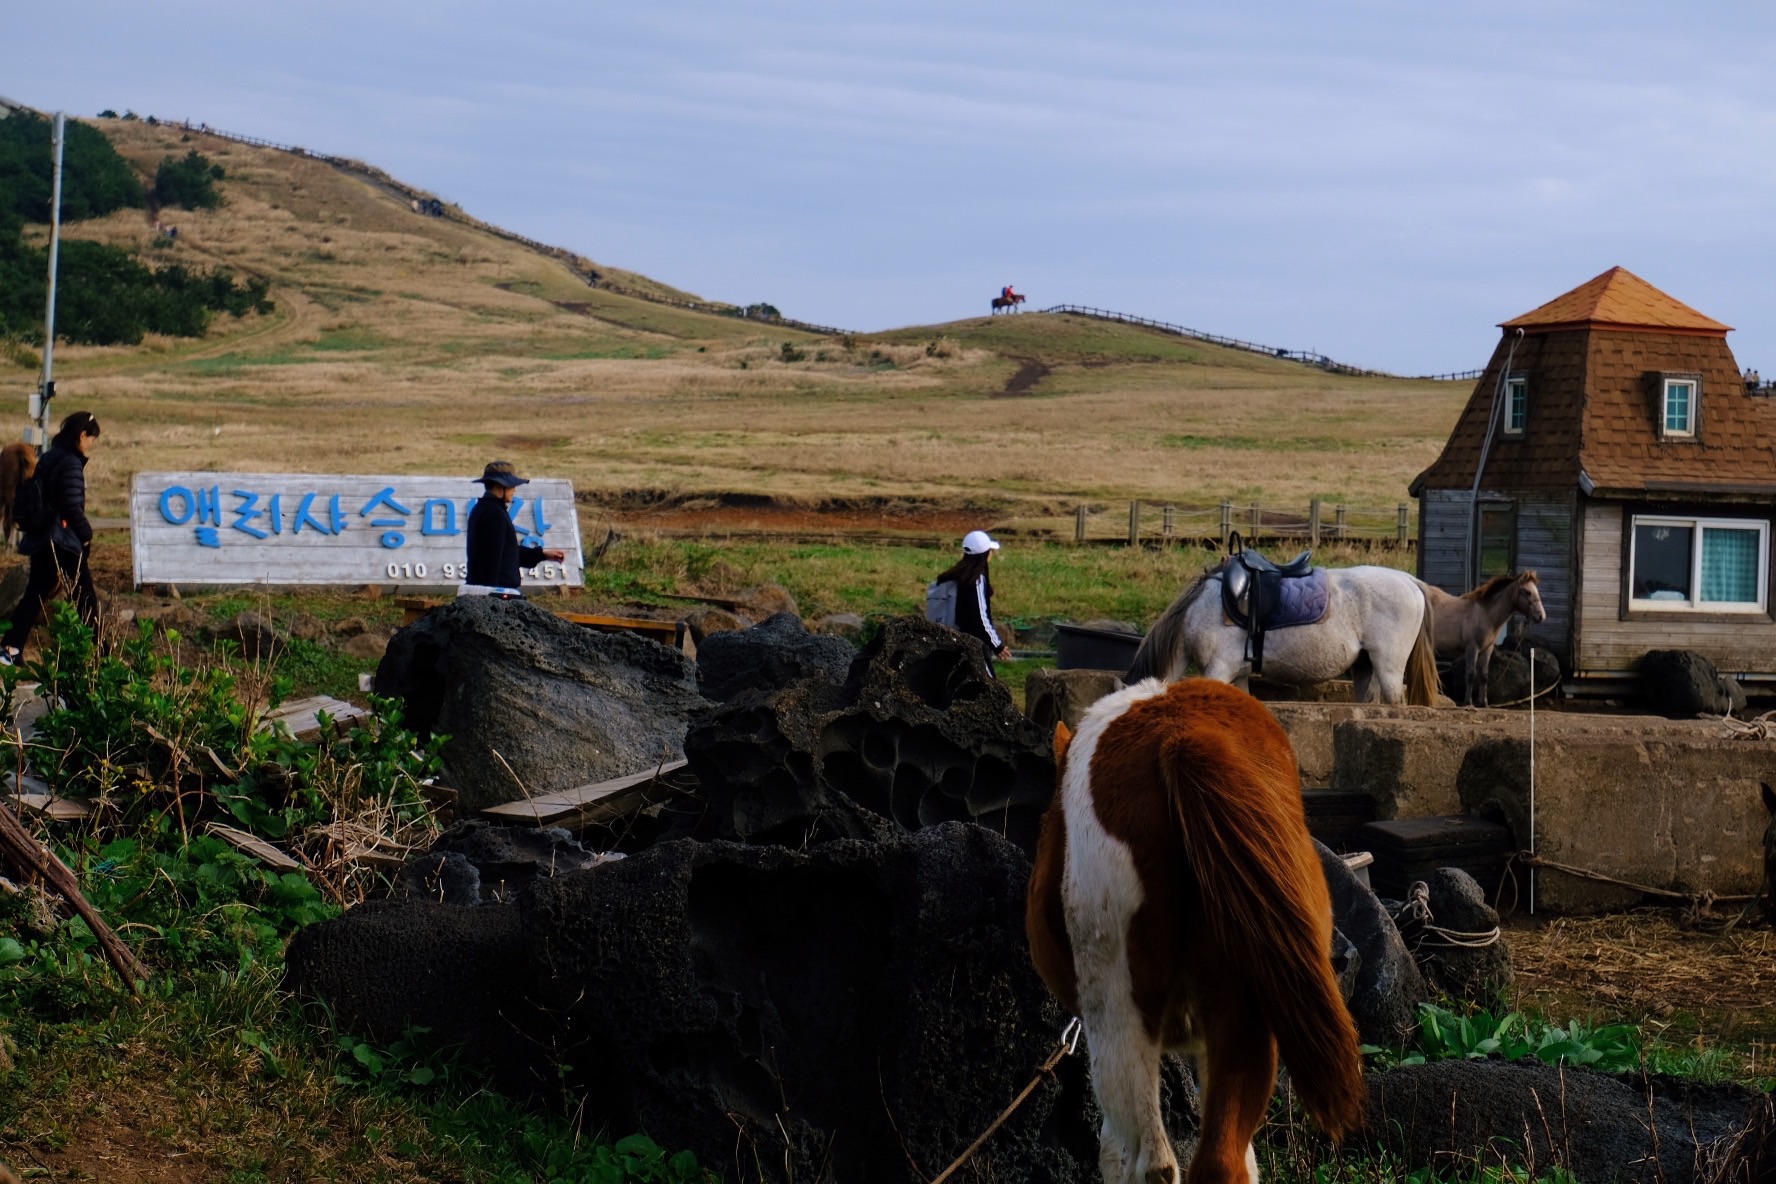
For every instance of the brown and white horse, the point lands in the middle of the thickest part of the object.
(1177, 904)
(1469, 624)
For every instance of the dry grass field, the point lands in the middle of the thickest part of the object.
(408, 343)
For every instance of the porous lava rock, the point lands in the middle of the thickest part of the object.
(561, 704)
(918, 733)
(1465, 957)
(832, 1013)
(501, 860)
(1684, 684)
(462, 972)
(1061, 696)
(1385, 989)
(1600, 1128)
(771, 655)
(1507, 680)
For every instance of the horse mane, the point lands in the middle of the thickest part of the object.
(1498, 583)
(1154, 658)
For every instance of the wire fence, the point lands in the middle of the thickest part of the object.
(1317, 522)
(1306, 357)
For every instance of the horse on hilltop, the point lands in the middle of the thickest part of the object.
(1374, 621)
(1469, 624)
(1177, 903)
(1007, 303)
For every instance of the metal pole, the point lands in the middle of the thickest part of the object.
(39, 433)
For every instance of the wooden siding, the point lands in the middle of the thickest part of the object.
(1609, 645)
(1544, 543)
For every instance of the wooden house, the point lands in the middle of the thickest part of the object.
(1613, 446)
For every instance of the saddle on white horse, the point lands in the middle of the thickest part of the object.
(1258, 595)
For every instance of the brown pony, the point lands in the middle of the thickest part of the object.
(17, 463)
(1469, 624)
(1177, 903)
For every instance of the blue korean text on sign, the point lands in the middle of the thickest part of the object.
(384, 503)
(197, 529)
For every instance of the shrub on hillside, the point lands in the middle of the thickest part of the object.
(189, 183)
(104, 296)
(95, 180)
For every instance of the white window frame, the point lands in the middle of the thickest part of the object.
(1694, 605)
(1514, 385)
(1689, 428)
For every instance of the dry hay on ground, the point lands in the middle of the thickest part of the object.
(1710, 978)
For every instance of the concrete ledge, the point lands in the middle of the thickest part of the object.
(1671, 804)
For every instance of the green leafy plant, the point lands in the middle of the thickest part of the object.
(1444, 1035)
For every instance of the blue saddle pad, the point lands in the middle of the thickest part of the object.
(1300, 601)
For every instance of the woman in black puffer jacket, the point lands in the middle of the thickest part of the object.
(64, 551)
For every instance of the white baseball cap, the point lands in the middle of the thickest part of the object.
(978, 542)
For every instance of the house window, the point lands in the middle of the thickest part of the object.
(1678, 407)
(1497, 541)
(1516, 405)
(1713, 564)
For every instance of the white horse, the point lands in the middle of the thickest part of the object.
(1375, 613)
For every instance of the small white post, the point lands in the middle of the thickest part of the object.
(1532, 776)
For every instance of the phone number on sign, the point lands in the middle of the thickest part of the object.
(460, 571)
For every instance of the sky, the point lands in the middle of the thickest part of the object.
(1379, 180)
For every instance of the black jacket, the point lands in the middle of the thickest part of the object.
(494, 553)
(974, 613)
(61, 474)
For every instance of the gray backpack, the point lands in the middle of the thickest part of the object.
(940, 602)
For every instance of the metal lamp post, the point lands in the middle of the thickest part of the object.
(38, 432)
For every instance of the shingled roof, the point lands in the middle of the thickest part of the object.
(1593, 358)
(1617, 299)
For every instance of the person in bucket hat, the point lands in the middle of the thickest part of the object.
(494, 553)
(974, 594)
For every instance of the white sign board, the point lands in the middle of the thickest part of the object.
(304, 528)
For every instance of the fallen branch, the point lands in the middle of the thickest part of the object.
(32, 859)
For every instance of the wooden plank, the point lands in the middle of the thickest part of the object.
(53, 808)
(252, 845)
(581, 805)
(301, 717)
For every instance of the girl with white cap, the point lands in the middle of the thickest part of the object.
(974, 594)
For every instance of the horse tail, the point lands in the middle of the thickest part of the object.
(1422, 682)
(1237, 797)
(1160, 652)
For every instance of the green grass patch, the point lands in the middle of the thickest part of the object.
(350, 338)
(1031, 581)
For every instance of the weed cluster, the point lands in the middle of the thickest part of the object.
(160, 749)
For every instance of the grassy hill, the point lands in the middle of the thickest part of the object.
(401, 342)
